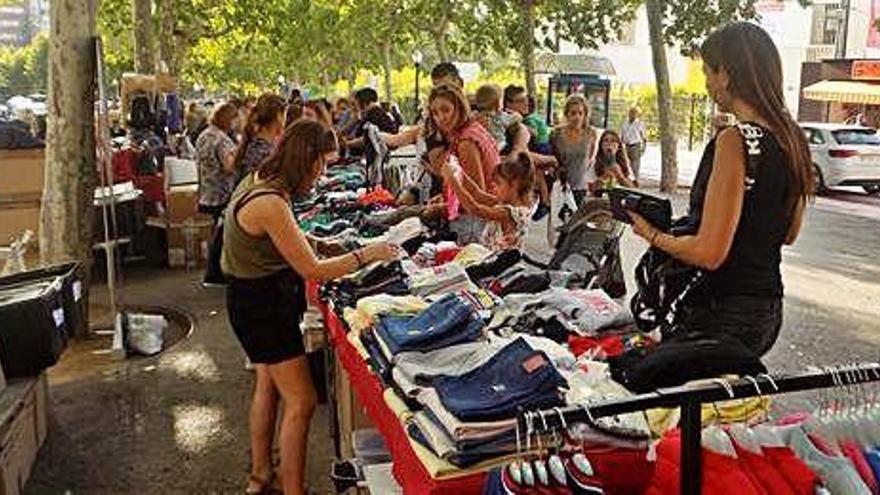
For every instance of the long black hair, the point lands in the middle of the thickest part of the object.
(747, 54)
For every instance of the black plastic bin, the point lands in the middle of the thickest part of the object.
(32, 326)
(75, 311)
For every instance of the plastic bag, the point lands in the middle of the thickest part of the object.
(145, 333)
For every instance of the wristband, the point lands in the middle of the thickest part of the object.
(357, 257)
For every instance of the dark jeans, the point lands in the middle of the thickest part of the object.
(518, 376)
(214, 274)
(754, 321)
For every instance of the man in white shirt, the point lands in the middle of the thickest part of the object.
(634, 137)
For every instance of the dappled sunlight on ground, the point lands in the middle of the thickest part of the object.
(196, 428)
(195, 365)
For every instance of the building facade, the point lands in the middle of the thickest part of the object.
(20, 22)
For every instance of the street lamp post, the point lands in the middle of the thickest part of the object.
(417, 60)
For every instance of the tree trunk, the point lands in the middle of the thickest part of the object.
(527, 49)
(439, 35)
(669, 163)
(167, 45)
(387, 68)
(142, 17)
(67, 211)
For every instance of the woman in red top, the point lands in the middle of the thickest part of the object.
(474, 148)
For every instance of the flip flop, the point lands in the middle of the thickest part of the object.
(263, 486)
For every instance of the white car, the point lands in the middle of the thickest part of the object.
(844, 155)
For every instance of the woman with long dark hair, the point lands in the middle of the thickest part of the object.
(267, 258)
(749, 195)
(264, 126)
(612, 163)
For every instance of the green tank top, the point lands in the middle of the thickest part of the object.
(244, 255)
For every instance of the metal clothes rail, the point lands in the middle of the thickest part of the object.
(691, 398)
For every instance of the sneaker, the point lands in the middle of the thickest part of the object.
(214, 284)
(542, 211)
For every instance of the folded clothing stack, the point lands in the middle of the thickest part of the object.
(453, 319)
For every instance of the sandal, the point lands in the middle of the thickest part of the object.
(263, 486)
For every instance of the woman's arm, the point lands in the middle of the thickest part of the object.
(721, 211)
(406, 136)
(491, 212)
(270, 215)
(795, 228)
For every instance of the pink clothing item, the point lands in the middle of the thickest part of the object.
(824, 446)
(852, 452)
(489, 160)
(489, 157)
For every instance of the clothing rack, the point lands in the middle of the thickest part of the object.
(691, 398)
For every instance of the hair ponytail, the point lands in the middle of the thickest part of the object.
(266, 111)
(518, 168)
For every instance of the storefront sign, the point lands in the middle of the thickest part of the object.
(866, 70)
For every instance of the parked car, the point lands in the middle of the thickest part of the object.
(844, 155)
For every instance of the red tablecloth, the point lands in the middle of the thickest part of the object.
(408, 469)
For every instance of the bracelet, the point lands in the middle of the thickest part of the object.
(357, 257)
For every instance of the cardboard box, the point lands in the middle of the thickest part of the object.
(21, 172)
(182, 204)
(21, 406)
(16, 217)
(189, 243)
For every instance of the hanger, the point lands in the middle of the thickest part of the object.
(767, 434)
(539, 464)
(713, 437)
(579, 460)
(528, 475)
(743, 435)
(514, 467)
(557, 467)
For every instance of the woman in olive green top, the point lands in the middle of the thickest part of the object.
(266, 257)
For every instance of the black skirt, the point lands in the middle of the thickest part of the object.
(266, 313)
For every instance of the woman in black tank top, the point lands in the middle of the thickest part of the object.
(748, 197)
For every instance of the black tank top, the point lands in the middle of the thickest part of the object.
(752, 266)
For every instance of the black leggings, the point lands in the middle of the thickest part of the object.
(754, 321)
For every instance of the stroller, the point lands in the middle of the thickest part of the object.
(589, 246)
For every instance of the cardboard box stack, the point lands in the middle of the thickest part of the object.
(21, 191)
(188, 231)
(24, 412)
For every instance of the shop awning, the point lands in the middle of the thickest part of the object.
(859, 92)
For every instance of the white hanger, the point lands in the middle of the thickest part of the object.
(766, 434)
(741, 434)
(539, 464)
(528, 475)
(713, 437)
(557, 467)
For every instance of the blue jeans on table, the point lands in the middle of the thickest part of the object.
(448, 321)
(517, 377)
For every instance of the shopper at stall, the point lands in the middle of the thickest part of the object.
(508, 212)
(517, 100)
(264, 126)
(611, 164)
(215, 155)
(575, 144)
(635, 137)
(472, 146)
(267, 259)
(748, 197)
